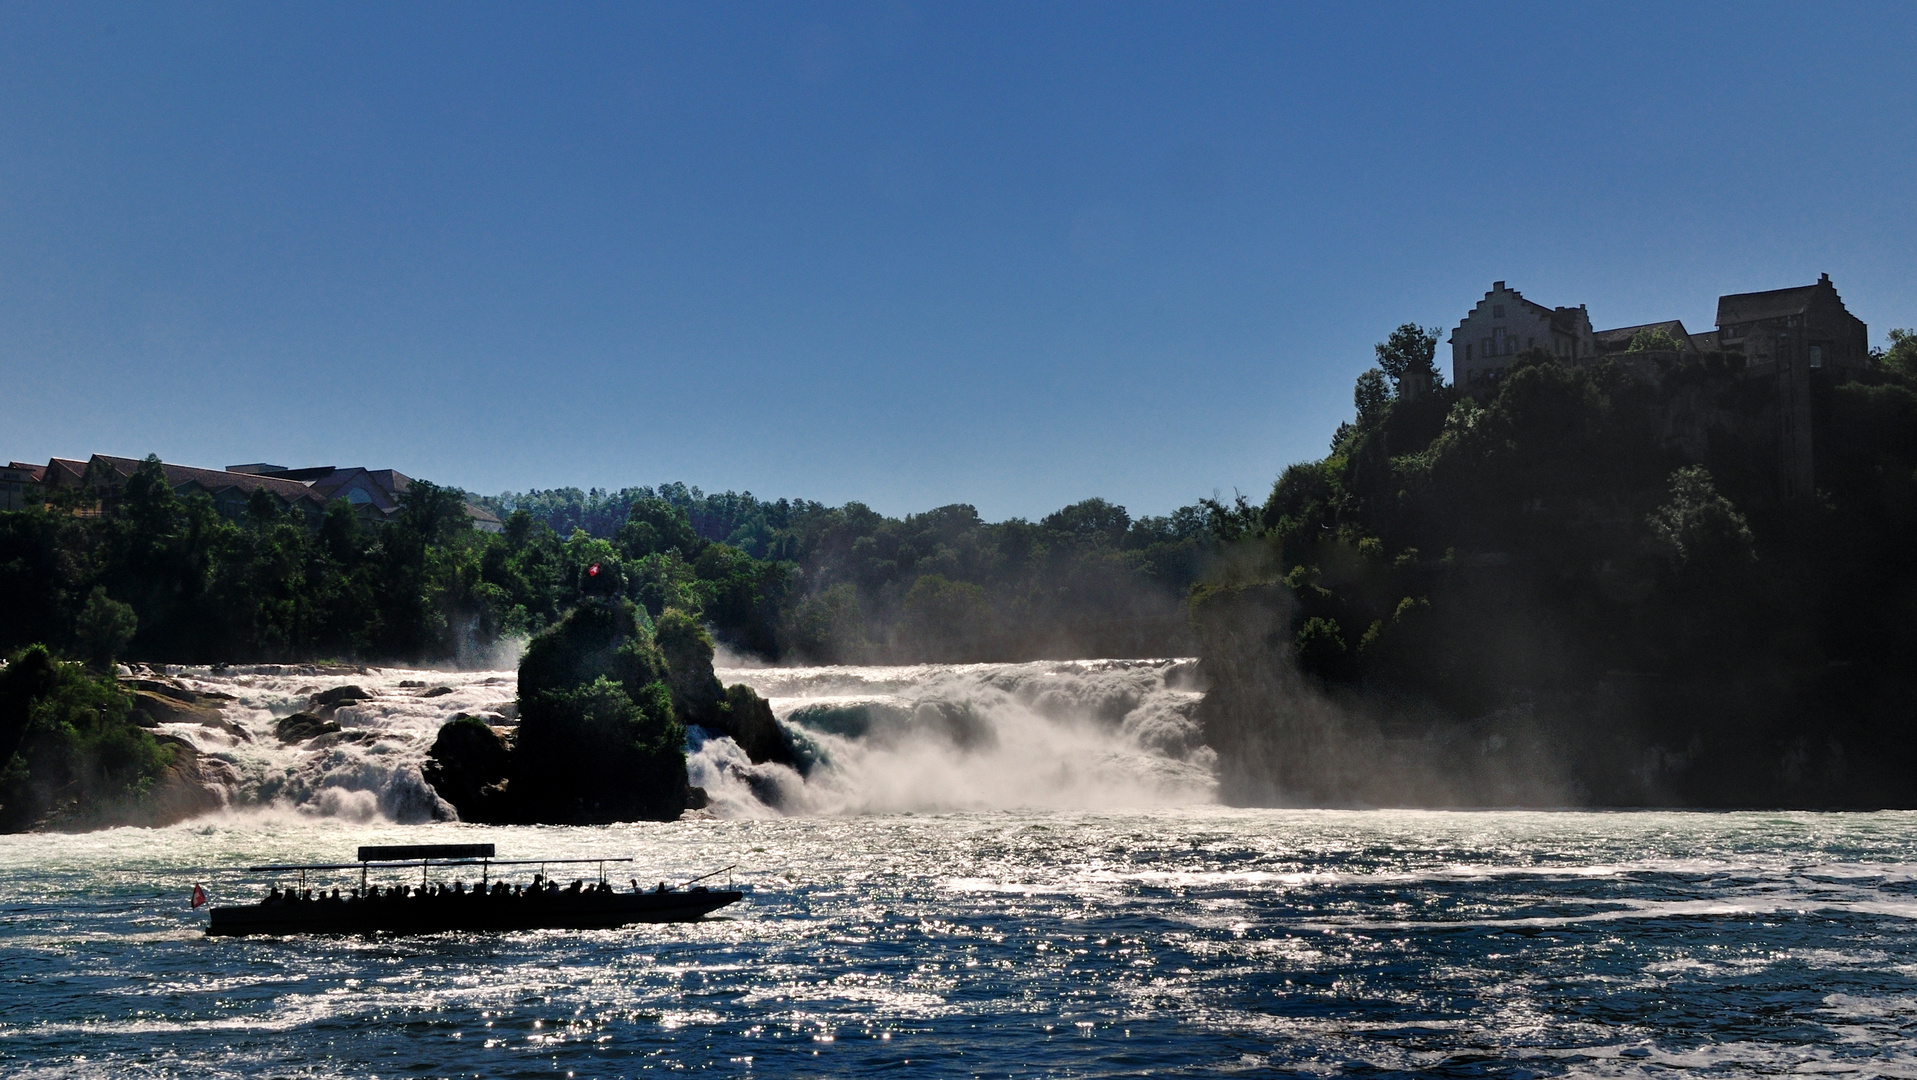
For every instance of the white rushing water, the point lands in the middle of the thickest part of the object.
(1092, 734)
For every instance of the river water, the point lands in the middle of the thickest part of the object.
(1020, 920)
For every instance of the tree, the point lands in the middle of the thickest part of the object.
(1406, 358)
(656, 526)
(1092, 518)
(1698, 528)
(1901, 357)
(104, 628)
(1653, 339)
(1370, 396)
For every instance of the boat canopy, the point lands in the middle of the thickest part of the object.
(408, 852)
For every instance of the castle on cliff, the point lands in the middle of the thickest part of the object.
(1779, 337)
(1806, 326)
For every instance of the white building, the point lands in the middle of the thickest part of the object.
(1504, 324)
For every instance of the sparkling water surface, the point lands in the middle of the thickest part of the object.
(1193, 941)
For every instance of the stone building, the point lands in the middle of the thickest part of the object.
(1807, 325)
(20, 485)
(1619, 340)
(1504, 324)
(373, 493)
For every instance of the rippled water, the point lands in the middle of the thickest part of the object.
(1005, 943)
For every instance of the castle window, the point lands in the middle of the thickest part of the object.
(1467, 354)
(1497, 311)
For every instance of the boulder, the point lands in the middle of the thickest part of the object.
(468, 767)
(747, 719)
(151, 709)
(164, 689)
(340, 695)
(302, 726)
(697, 697)
(181, 791)
(438, 691)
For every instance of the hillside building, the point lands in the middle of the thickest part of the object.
(1781, 335)
(373, 493)
(1504, 324)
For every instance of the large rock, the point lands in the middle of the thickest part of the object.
(302, 726)
(151, 709)
(747, 719)
(697, 696)
(182, 791)
(468, 766)
(326, 702)
(600, 736)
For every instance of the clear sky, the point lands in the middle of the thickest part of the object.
(1012, 255)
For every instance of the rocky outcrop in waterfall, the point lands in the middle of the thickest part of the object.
(604, 704)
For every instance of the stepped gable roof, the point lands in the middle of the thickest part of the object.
(1752, 306)
(212, 479)
(1616, 340)
(1563, 319)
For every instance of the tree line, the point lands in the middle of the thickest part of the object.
(150, 575)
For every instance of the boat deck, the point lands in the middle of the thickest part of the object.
(467, 911)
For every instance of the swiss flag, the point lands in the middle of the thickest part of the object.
(199, 896)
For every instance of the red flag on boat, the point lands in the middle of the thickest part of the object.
(199, 896)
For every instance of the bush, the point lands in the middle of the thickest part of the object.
(71, 750)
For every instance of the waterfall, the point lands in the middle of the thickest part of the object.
(1074, 734)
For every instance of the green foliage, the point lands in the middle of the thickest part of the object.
(1590, 523)
(1321, 647)
(1698, 528)
(599, 736)
(1407, 359)
(1370, 396)
(105, 627)
(945, 617)
(1093, 520)
(1901, 357)
(1653, 339)
(70, 750)
(770, 578)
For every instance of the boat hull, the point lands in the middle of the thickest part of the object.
(470, 912)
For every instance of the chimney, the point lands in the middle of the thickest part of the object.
(1497, 286)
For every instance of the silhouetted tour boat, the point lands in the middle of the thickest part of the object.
(432, 908)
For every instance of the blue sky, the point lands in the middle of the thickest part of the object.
(1012, 255)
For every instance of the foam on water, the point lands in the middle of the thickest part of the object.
(1078, 734)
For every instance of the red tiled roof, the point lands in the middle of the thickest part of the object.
(214, 479)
